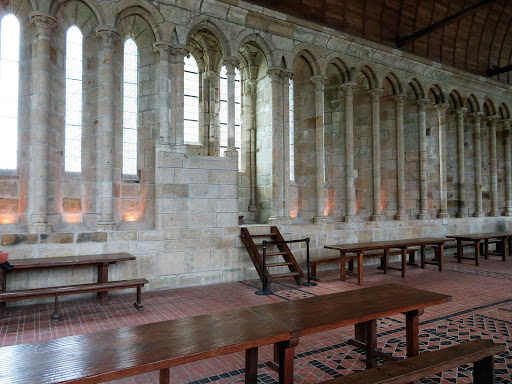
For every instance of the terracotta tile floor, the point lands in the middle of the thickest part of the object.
(481, 307)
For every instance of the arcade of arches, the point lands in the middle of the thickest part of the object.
(334, 137)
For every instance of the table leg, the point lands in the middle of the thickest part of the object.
(404, 261)
(422, 257)
(165, 376)
(286, 350)
(440, 256)
(371, 343)
(486, 248)
(103, 278)
(477, 252)
(412, 259)
(3, 285)
(360, 332)
(484, 371)
(385, 261)
(251, 366)
(412, 332)
(342, 266)
(459, 251)
(359, 268)
(504, 248)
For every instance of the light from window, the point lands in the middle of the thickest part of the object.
(73, 118)
(9, 78)
(130, 107)
(191, 101)
(223, 114)
(292, 134)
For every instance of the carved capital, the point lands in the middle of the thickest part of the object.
(164, 48)
(319, 82)
(399, 100)
(476, 116)
(348, 89)
(108, 35)
(442, 108)
(422, 105)
(275, 74)
(493, 118)
(179, 52)
(45, 24)
(461, 112)
(231, 64)
(287, 74)
(507, 123)
(211, 76)
(375, 93)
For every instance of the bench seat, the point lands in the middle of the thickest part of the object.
(75, 289)
(481, 352)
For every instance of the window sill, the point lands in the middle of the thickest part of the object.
(9, 174)
(130, 179)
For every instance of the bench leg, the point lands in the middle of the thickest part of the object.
(138, 303)
(486, 248)
(3, 285)
(484, 371)
(359, 268)
(422, 256)
(412, 332)
(384, 261)
(103, 278)
(504, 250)
(460, 251)
(440, 256)
(371, 343)
(342, 266)
(404, 261)
(251, 366)
(477, 252)
(56, 316)
(165, 376)
(286, 353)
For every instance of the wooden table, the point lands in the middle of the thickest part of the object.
(360, 248)
(101, 261)
(124, 352)
(504, 238)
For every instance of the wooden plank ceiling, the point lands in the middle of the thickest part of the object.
(473, 35)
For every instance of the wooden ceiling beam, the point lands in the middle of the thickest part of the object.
(493, 71)
(443, 23)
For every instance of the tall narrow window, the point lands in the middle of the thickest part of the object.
(9, 79)
(191, 101)
(224, 112)
(292, 134)
(130, 107)
(73, 129)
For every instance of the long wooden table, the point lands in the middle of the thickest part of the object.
(124, 352)
(477, 238)
(102, 261)
(360, 248)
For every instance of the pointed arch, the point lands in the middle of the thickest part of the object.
(504, 111)
(489, 108)
(416, 90)
(436, 94)
(130, 21)
(261, 42)
(346, 73)
(309, 54)
(55, 5)
(369, 73)
(456, 100)
(394, 81)
(473, 104)
(221, 33)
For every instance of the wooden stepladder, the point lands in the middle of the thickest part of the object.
(278, 255)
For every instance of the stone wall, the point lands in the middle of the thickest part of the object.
(387, 144)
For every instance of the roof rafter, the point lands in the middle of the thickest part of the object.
(444, 22)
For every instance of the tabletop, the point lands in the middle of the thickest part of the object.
(374, 245)
(480, 236)
(321, 313)
(44, 262)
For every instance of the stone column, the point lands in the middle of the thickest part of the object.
(461, 176)
(319, 82)
(250, 100)
(441, 114)
(231, 64)
(478, 164)
(491, 121)
(286, 75)
(508, 168)
(422, 128)
(211, 84)
(105, 135)
(400, 157)
(377, 211)
(276, 84)
(164, 91)
(38, 171)
(177, 96)
(348, 89)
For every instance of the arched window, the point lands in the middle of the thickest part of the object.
(191, 101)
(224, 112)
(9, 83)
(73, 128)
(130, 107)
(292, 134)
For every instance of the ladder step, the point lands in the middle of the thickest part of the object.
(277, 254)
(283, 275)
(265, 235)
(283, 264)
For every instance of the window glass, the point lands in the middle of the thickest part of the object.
(191, 101)
(130, 107)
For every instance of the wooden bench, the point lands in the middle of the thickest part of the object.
(480, 352)
(411, 252)
(73, 290)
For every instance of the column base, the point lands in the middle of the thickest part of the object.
(252, 208)
(350, 219)
(494, 214)
(230, 152)
(378, 217)
(507, 213)
(320, 220)
(479, 214)
(179, 148)
(402, 217)
(443, 215)
(461, 215)
(106, 226)
(40, 228)
(275, 220)
(424, 216)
